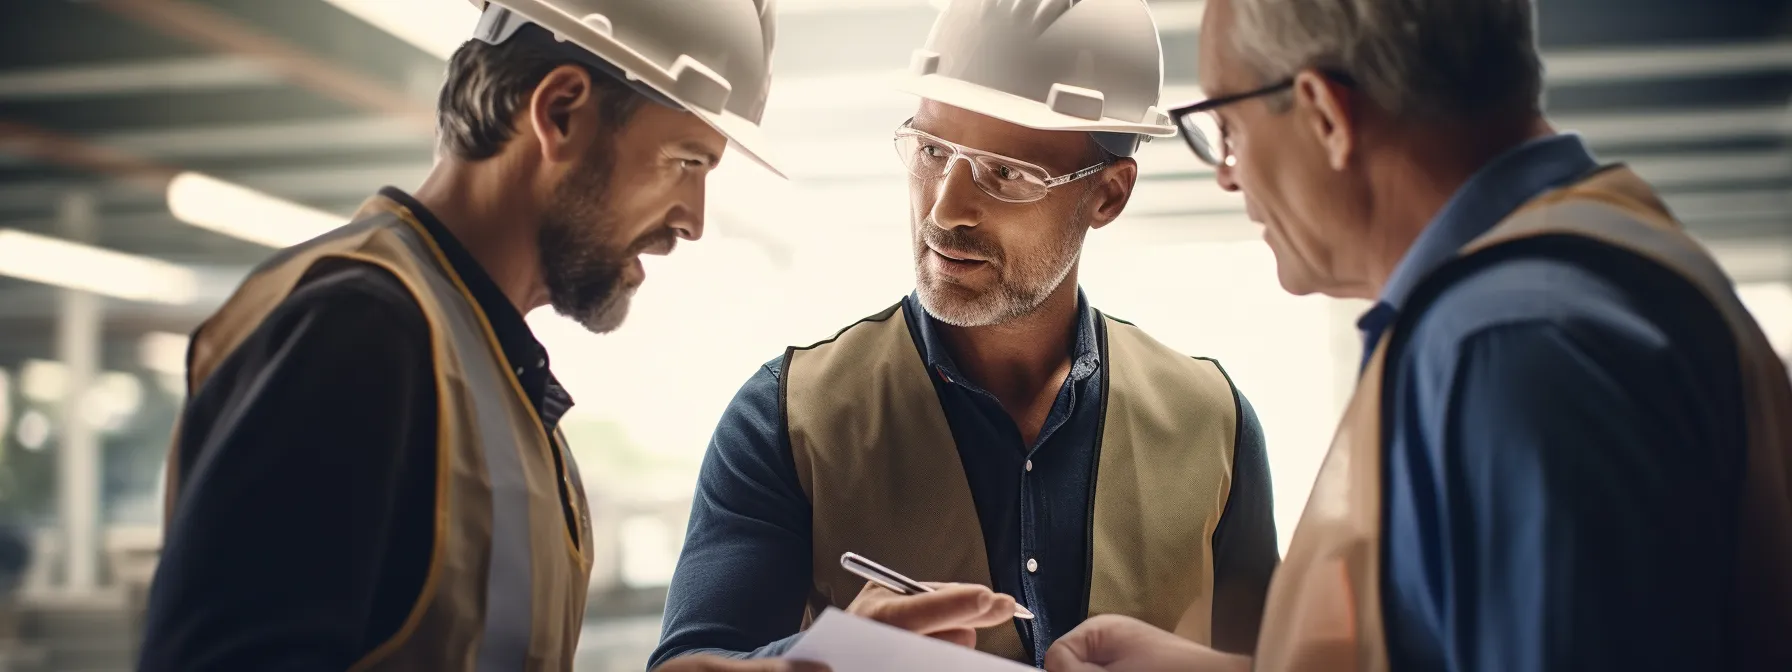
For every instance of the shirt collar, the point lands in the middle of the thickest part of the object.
(1494, 192)
(525, 354)
(1085, 352)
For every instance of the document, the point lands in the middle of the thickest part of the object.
(848, 643)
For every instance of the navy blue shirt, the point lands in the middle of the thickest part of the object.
(745, 573)
(1564, 448)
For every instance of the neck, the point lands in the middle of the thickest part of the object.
(1419, 177)
(1016, 359)
(492, 217)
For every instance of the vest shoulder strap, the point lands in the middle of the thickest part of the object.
(1168, 438)
(874, 453)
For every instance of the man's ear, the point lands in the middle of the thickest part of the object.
(1112, 191)
(556, 113)
(1327, 109)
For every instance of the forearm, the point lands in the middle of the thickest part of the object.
(743, 577)
(672, 648)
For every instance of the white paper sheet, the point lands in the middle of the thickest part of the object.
(848, 643)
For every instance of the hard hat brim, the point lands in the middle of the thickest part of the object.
(746, 137)
(1016, 109)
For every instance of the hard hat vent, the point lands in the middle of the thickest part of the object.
(599, 23)
(1075, 101)
(698, 86)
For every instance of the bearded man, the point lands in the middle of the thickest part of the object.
(368, 473)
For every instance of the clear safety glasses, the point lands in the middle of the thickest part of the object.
(1012, 180)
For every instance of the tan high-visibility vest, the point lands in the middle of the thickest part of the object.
(505, 589)
(1324, 610)
(875, 455)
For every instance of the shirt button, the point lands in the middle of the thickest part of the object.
(519, 370)
(1032, 565)
(1029, 465)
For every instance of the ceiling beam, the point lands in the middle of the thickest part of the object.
(207, 73)
(55, 148)
(1609, 65)
(274, 139)
(215, 30)
(867, 162)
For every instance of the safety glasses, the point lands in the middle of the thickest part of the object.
(1005, 179)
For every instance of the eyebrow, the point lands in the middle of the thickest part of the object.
(700, 150)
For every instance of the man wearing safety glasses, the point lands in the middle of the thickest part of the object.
(992, 430)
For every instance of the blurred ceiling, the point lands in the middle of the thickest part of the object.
(308, 102)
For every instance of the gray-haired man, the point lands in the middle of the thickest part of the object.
(1568, 448)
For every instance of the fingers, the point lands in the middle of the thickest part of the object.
(950, 607)
(1066, 656)
(717, 664)
(1093, 642)
(964, 637)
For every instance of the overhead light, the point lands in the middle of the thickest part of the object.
(54, 261)
(233, 210)
(435, 26)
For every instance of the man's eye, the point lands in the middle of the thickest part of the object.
(1007, 172)
(933, 151)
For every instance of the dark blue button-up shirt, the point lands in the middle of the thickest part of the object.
(1564, 450)
(745, 573)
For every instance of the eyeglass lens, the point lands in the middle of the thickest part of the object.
(1202, 131)
(1005, 179)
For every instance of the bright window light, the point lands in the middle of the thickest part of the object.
(54, 261)
(1771, 304)
(42, 380)
(210, 203)
(649, 551)
(435, 26)
(34, 430)
(163, 352)
(5, 402)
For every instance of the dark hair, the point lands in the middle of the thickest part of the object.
(489, 84)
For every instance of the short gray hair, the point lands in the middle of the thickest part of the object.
(1420, 60)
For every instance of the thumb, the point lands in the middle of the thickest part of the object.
(1070, 654)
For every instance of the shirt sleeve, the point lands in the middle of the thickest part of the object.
(292, 455)
(743, 578)
(1580, 523)
(1245, 552)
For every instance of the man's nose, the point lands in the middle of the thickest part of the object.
(1226, 173)
(955, 204)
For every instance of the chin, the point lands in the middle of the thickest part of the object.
(607, 316)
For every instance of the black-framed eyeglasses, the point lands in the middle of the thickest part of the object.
(1201, 127)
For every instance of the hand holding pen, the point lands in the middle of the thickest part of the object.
(949, 611)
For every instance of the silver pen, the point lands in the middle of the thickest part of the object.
(897, 583)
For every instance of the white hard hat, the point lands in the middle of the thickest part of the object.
(1062, 65)
(710, 57)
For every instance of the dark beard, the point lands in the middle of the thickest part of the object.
(583, 273)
